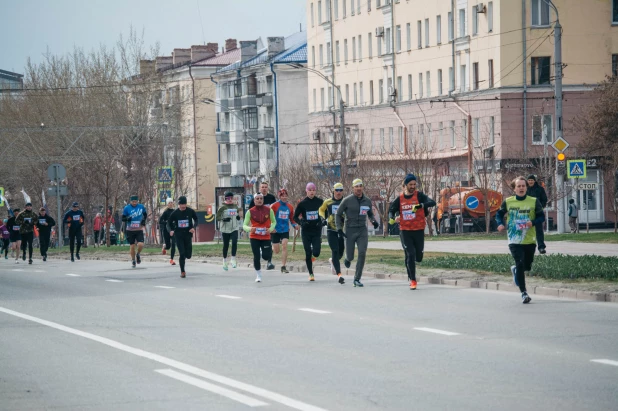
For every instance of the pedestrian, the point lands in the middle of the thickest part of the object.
(134, 216)
(573, 216)
(181, 225)
(357, 208)
(167, 240)
(534, 189)
(307, 215)
(15, 236)
(26, 221)
(109, 225)
(282, 210)
(328, 212)
(45, 224)
(74, 219)
(96, 228)
(5, 234)
(410, 211)
(259, 223)
(522, 213)
(228, 218)
(268, 198)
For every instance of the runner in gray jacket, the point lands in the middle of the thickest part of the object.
(356, 208)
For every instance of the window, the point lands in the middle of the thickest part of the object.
(373, 143)
(426, 32)
(327, 5)
(379, 43)
(492, 136)
(387, 39)
(354, 49)
(315, 102)
(420, 85)
(355, 95)
(451, 79)
(361, 93)
(421, 135)
(347, 94)
(336, 7)
(400, 140)
(440, 135)
(542, 130)
(440, 82)
(462, 78)
(381, 91)
(370, 45)
(464, 132)
(313, 55)
(428, 82)
(358, 6)
(399, 87)
(439, 29)
(490, 16)
(540, 70)
(344, 7)
(250, 118)
(345, 51)
(408, 37)
(337, 54)
(329, 54)
(476, 130)
(429, 138)
(419, 29)
(330, 96)
(371, 92)
(319, 12)
(490, 73)
(540, 13)
(352, 10)
(451, 25)
(615, 13)
(360, 48)
(475, 75)
(615, 63)
(409, 86)
(398, 39)
(451, 131)
(321, 55)
(312, 19)
(462, 22)
(410, 138)
(391, 140)
(475, 21)
(322, 98)
(381, 140)
(368, 5)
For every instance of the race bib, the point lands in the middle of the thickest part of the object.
(312, 215)
(232, 213)
(5, 232)
(27, 220)
(408, 215)
(135, 224)
(183, 223)
(15, 228)
(521, 224)
(335, 208)
(42, 220)
(76, 218)
(284, 214)
(364, 210)
(261, 231)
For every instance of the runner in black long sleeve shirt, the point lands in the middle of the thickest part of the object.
(181, 225)
(307, 215)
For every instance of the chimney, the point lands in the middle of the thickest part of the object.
(146, 67)
(248, 50)
(181, 56)
(213, 47)
(275, 45)
(163, 62)
(230, 44)
(200, 53)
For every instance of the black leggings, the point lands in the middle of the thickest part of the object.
(170, 242)
(523, 254)
(26, 242)
(75, 237)
(226, 242)
(44, 242)
(260, 245)
(96, 237)
(184, 242)
(5, 246)
(337, 248)
(413, 244)
(312, 242)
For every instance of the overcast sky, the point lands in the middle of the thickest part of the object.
(29, 27)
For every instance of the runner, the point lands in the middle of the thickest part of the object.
(181, 225)
(259, 223)
(228, 217)
(534, 189)
(26, 221)
(15, 236)
(522, 213)
(282, 210)
(268, 200)
(356, 207)
(168, 241)
(44, 225)
(5, 234)
(328, 212)
(410, 211)
(311, 223)
(134, 215)
(74, 219)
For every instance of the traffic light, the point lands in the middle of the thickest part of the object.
(560, 163)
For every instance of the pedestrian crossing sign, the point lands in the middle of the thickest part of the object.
(165, 175)
(576, 169)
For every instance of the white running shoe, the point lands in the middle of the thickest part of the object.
(332, 267)
(234, 264)
(225, 264)
(258, 278)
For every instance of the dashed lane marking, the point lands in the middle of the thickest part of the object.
(311, 310)
(433, 330)
(607, 362)
(114, 281)
(231, 297)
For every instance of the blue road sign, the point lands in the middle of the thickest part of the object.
(576, 168)
(248, 199)
(472, 202)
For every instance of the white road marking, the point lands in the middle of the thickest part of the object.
(433, 330)
(251, 402)
(40, 271)
(17, 269)
(311, 310)
(231, 297)
(73, 275)
(115, 281)
(273, 396)
(608, 362)
(163, 286)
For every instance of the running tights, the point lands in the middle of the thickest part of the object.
(312, 242)
(262, 246)
(184, 242)
(413, 242)
(233, 236)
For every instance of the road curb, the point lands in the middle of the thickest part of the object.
(566, 293)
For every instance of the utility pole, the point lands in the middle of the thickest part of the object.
(558, 98)
(343, 166)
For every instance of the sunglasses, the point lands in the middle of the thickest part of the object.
(339, 190)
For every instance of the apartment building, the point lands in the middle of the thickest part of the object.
(466, 81)
(261, 106)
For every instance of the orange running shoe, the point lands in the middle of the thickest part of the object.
(313, 259)
(172, 262)
(183, 275)
(412, 285)
(311, 277)
(163, 251)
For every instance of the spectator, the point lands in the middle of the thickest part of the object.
(536, 191)
(98, 222)
(573, 216)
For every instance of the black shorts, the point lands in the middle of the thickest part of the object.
(277, 238)
(135, 236)
(15, 236)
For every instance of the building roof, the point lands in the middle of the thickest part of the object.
(221, 59)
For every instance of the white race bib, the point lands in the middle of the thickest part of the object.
(232, 212)
(408, 215)
(261, 231)
(15, 228)
(312, 215)
(76, 218)
(183, 223)
(364, 210)
(335, 208)
(134, 224)
(284, 214)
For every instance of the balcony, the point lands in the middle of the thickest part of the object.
(265, 100)
(252, 134)
(247, 101)
(266, 133)
(223, 137)
(233, 103)
(328, 69)
(222, 105)
(224, 169)
(237, 137)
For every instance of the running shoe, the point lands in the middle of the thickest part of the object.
(225, 264)
(514, 271)
(77, 255)
(137, 258)
(24, 257)
(313, 259)
(412, 285)
(358, 284)
(16, 261)
(133, 263)
(6, 257)
(270, 266)
(29, 261)
(172, 262)
(163, 251)
(332, 267)
(341, 280)
(284, 270)
(183, 274)
(311, 277)
(346, 263)
(258, 278)
(45, 258)
(72, 259)
(525, 298)
(234, 264)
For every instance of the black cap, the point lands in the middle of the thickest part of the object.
(16, 210)
(228, 194)
(532, 177)
(76, 204)
(182, 200)
(28, 204)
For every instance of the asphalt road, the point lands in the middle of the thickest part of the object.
(100, 336)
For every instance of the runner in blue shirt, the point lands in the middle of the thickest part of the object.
(134, 216)
(283, 211)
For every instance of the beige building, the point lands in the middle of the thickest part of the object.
(466, 81)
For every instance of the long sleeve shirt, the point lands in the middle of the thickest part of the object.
(46, 219)
(74, 219)
(356, 210)
(228, 218)
(26, 220)
(247, 223)
(309, 210)
(423, 199)
(328, 211)
(181, 221)
(268, 200)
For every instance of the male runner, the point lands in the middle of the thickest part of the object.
(181, 225)
(259, 223)
(410, 211)
(44, 225)
(5, 234)
(356, 207)
(269, 199)
(134, 215)
(74, 219)
(228, 217)
(169, 242)
(328, 212)
(26, 221)
(522, 213)
(307, 215)
(534, 189)
(15, 236)
(282, 210)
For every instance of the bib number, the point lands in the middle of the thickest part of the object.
(5, 232)
(15, 228)
(42, 220)
(335, 208)
(284, 215)
(408, 215)
(364, 210)
(75, 218)
(312, 215)
(183, 223)
(135, 224)
(232, 213)
(260, 231)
